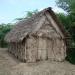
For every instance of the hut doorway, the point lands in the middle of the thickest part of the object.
(42, 49)
(31, 49)
(50, 46)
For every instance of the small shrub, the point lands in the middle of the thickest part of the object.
(71, 55)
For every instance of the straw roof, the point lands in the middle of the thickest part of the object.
(31, 25)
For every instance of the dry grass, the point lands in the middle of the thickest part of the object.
(11, 66)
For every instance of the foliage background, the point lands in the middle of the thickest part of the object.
(68, 21)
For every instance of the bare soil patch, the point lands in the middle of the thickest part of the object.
(9, 65)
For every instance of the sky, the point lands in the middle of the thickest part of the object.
(12, 9)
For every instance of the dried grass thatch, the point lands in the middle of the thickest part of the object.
(31, 25)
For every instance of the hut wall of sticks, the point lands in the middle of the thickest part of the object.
(41, 37)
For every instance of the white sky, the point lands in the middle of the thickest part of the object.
(11, 9)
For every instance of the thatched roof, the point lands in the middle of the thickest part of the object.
(31, 25)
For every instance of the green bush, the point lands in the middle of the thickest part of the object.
(4, 29)
(71, 55)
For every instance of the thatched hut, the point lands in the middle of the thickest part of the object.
(40, 37)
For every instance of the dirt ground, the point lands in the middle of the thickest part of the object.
(9, 65)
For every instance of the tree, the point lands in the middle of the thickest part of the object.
(4, 29)
(67, 5)
(64, 19)
(28, 15)
(69, 22)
